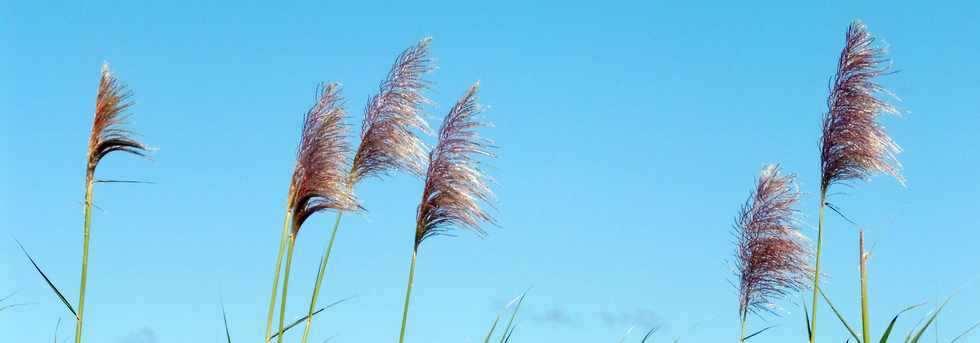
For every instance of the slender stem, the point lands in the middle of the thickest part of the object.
(319, 277)
(85, 241)
(865, 323)
(492, 327)
(816, 269)
(408, 294)
(275, 282)
(285, 286)
(741, 338)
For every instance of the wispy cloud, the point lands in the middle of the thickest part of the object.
(639, 317)
(144, 335)
(556, 316)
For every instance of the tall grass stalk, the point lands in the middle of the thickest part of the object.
(865, 322)
(741, 336)
(108, 135)
(275, 282)
(816, 267)
(285, 286)
(388, 142)
(85, 243)
(408, 297)
(853, 145)
(319, 182)
(455, 187)
(320, 276)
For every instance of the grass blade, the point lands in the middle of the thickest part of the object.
(757, 332)
(56, 327)
(7, 307)
(224, 318)
(806, 316)
(891, 325)
(48, 280)
(839, 316)
(647, 336)
(915, 338)
(282, 250)
(321, 272)
(509, 333)
(508, 330)
(627, 334)
(298, 321)
(496, 321)
(492, 327)
(967, 332)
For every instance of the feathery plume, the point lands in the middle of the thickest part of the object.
(108, 133)
(387, 138)
(772, 257)
(319, 179)
(454, 184)
(854, 144)
(388, 142)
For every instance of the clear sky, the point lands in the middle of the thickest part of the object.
(629, 134)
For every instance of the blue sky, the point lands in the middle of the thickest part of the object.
(629, 134)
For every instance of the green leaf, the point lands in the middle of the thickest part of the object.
(649, 333)
(806, 315)
(932, 318)
(11, 295)
(492, 327)
(757, 332)
(7, 307)
(48, 280)
(298, 321)
(508, 330)
(627, 334)
(967, 332)
(839, 316)
(56, 327)
(509, 333)
(891, 325)
(224, 318)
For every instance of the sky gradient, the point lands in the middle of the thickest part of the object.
(629, 133)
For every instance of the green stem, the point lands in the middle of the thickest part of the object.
(816, 269)
(319, 277)
(408, 294)
(85, 241)
(865, 323)
(275, 282)
(741, 338)
(285, 286)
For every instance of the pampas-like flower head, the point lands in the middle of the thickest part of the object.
(387, 139)
(854, 144)
(108, 133)
(320, 180)
(772, 256)
(455, 186)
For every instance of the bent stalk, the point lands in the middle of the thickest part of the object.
(89, 179)
(319, 278)
(408, 294)
(275, 282)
